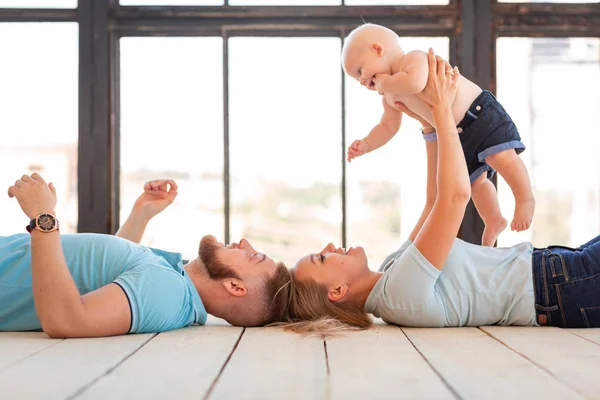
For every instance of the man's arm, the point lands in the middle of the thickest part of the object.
(61, 309)
(157, 196)
(134, 227)
(410, 81)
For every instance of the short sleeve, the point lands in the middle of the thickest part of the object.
(159, 299)
(410, 283)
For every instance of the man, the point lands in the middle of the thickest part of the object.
(89, 285)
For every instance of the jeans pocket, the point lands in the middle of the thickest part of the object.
(591, 317)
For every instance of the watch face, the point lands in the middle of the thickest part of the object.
(46, 222)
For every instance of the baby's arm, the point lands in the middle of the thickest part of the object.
(380, 134)
(410, 81)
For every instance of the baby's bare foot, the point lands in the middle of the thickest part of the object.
(492, 230)
(523, 215)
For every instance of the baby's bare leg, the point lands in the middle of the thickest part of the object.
(510, 166)
(485, 200)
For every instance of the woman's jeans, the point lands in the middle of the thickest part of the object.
(567, 285)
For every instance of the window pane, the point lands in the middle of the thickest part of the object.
(172, 126)
(39, 117)
(171, 2)
(286, 143)
(38, 4)
(394, 2)
(386, 188)
(548, 1)
(285, 2)
(550, 88)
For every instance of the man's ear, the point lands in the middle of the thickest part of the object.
(338, 293)
(378, 48)
(235, 287)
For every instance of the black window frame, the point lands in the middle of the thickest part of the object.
(472, 27)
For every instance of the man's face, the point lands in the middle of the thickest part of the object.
(237, 260)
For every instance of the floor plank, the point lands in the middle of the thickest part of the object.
(571, 359)
(381, 363)
(271, 364)
(478, 367)
(17, 346)
(180, 364)
(593, 335)
(61, 370)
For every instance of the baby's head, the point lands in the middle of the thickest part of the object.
(370, 50)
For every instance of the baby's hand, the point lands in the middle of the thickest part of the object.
(357, 149)
(379, 79)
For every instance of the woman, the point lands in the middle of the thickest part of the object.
(436, 280)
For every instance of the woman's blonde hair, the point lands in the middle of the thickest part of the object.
(310, 312)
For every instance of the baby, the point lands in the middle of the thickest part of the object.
(490, 140)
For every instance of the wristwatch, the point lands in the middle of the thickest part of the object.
(44, 223)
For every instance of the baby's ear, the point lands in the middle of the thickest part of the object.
(378, 49)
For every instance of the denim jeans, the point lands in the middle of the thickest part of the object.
(485, 130)
(567, 285)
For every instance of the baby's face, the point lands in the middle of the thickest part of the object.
(363, 66)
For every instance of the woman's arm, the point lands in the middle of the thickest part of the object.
(438, 233)
(431, 147)
(431, 150)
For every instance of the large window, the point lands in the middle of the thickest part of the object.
(285, 2)
(394, 2)
(386, 188)
(285, 116)
(39, 122)
(548, 1)
(550, 88)
(171, 2)
(245, 104)
(38, 3)
(280, 2)
(172, 127)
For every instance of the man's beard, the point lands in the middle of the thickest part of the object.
(214, 267)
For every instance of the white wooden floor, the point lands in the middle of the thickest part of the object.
(223, 362)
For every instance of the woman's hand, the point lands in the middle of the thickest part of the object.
(442, 83)
(400, 106)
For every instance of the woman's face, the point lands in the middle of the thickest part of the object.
(333, 268)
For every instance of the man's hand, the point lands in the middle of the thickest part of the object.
(357, 149)
(157, 196)
(379, 81)
(34, 195)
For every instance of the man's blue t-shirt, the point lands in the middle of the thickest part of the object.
(160, 293)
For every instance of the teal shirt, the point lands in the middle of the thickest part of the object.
(477, 286)
(160, 293)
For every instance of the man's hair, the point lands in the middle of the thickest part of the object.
(277, 290)
(266, 305)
